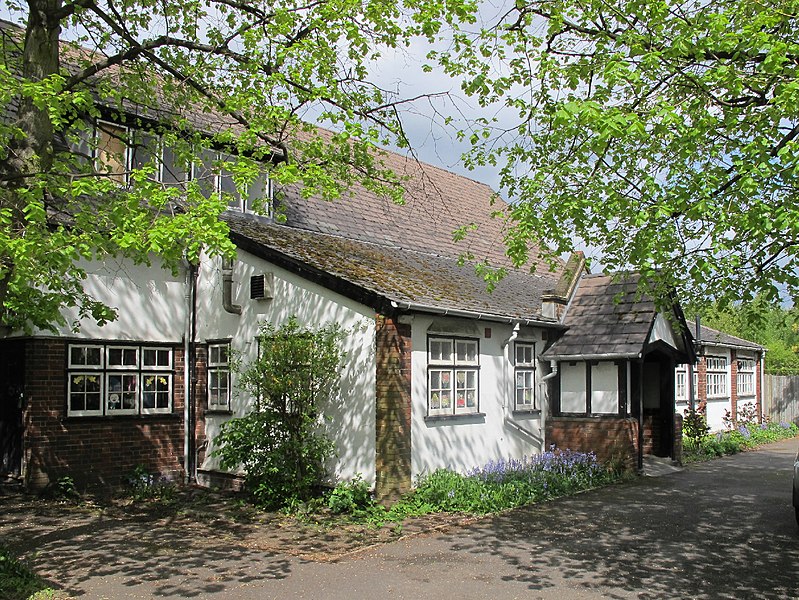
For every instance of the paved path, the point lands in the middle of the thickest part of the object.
(723, 529)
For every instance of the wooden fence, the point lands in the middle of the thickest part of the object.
(781, 398)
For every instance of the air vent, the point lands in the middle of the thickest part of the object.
(261, 286)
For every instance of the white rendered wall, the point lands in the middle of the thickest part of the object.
(351, 415)
(463, 443)
(150, 302)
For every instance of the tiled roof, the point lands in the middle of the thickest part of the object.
(437, 202)
(606, 318)
(709, 336)
(378, 274)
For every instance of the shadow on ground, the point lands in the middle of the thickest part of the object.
(709, 532)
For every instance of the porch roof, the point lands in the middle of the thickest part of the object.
(608, 319)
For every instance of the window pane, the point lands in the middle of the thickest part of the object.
(441, 350)
(466, 351)
(145, 150)
(259, 195)
(227, 185)
(156, 357)
(112, 150)
(204, 173)
(174, 170)
(85, 356)
(122, 391)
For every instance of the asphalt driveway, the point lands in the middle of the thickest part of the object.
(723, 529)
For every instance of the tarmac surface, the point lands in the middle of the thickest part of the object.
(722, 529)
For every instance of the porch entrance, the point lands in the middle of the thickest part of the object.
(657, 388)
(12, 373)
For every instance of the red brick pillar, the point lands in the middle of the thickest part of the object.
(393, 409)
(701, 386)
(676, 454)
(734, 385)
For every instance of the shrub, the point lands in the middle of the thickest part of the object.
(279, 444)
(17, 581)
(143, 485)
(742, 437)
(350, 497)
(694, 427)
(504, 484)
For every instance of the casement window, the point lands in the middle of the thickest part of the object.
(219, 377)
(118, 379)
(525, 376)
(118, 149)
(745, 383)
(590, 388)
(111, 150)
(452, 376)
(716, 376)
(681, 383)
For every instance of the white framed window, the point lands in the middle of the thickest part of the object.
(745, 380)
(716, 367)
(681, 383)
(452, 376)
(112, 155)
(524, 353)
(118, 379)
(219, 376)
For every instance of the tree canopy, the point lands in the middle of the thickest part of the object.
(661, 133)
(227, 85)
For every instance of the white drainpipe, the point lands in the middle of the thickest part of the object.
(554, 366)
(187, 371)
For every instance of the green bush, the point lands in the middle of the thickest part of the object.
(350, 497)
(279, 445)
(504, 484)
(17, 581)
(742, 437)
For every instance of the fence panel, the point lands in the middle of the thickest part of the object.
(781, 398)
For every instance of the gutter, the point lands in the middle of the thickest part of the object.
(585, 357)
(456, 312)
(188, 365)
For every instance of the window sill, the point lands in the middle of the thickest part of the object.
(219, 411)
(526, 412)
(451, 418)
(170, 416)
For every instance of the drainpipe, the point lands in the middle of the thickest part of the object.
(505, 346)
(188, 365)
(227, 288)
(553, 364)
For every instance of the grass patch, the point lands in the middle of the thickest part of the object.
(744, 436)
(18, 582)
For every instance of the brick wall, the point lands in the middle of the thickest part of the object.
(733, 384)
(611, 438)
(92, 450)
(701, 384)
(393, 409)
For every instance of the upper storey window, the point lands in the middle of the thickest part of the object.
(119, 149)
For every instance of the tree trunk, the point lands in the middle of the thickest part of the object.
(32, 153)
